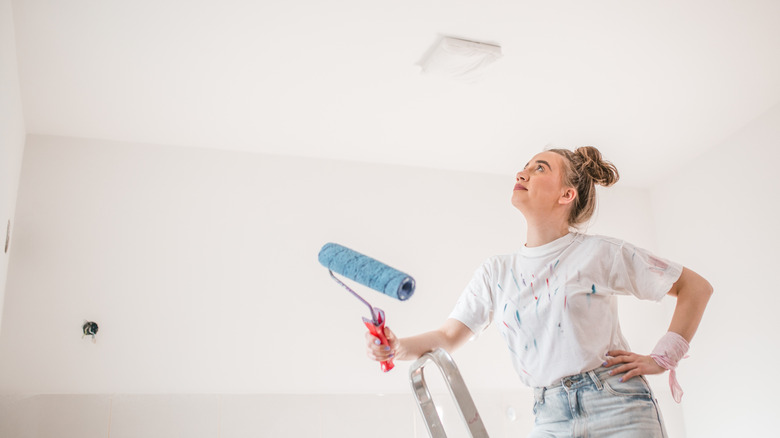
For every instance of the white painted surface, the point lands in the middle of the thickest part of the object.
(164, 416)
(12, 135)
(642, 80)
(73, 416)
(720, 214)
(236, 416)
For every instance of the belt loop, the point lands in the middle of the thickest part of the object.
(539, 394)
(596, 380)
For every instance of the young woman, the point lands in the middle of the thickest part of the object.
(554, 302)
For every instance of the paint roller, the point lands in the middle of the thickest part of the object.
(372, 273)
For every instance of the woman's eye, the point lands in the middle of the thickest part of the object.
(540, 168)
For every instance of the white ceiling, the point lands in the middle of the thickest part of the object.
(653, 84)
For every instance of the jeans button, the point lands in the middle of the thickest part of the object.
(568, 383)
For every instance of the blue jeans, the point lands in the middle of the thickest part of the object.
(596, 405)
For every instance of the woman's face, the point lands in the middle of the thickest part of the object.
(539, 186)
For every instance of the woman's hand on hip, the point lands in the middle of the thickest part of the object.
(632, 364)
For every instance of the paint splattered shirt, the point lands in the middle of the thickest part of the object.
(556, 304)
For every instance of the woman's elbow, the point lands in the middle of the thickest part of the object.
(692, 284)
(699, 285)
(708, 289)
(703, 287)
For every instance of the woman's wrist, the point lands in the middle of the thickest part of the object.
(671, 348)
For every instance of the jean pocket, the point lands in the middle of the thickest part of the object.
(635, 387)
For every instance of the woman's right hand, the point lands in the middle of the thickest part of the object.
(378, 352)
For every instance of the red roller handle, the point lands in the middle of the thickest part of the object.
(378, 330)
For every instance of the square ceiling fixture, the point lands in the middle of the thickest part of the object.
(459, 59)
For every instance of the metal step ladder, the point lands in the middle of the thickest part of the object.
(458, 390)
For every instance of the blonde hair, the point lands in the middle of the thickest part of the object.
(583, 169)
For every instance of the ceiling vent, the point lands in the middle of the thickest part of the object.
(459, 59)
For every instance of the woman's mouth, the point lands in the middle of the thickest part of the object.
(520, 187)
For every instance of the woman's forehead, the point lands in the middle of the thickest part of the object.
(553, 159)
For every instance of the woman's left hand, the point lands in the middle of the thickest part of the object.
(633, 364)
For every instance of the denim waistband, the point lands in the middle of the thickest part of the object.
(595, 376)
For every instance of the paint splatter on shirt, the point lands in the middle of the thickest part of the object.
(569, 330)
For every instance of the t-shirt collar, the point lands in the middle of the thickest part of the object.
(549, 248)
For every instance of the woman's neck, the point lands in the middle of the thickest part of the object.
(543, 232)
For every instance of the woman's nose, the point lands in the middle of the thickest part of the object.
(521, 176)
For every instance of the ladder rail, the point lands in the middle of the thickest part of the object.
(458, 390)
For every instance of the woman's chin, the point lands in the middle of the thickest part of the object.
(518, 203)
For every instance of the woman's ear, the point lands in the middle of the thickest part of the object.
(568, 196)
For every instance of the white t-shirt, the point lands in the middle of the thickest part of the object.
(556, 305)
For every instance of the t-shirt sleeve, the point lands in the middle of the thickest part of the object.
(474, 308)
(638, 272)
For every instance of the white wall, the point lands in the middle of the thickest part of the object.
(239, 416)
(719, 214)
(12, 133)
(200, 267)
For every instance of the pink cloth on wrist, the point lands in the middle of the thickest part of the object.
(671, 348)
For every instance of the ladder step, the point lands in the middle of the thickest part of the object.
(456, 385)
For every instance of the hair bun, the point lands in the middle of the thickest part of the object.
(602, 172)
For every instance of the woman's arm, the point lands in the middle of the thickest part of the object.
(692, 292)
(451, 335)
